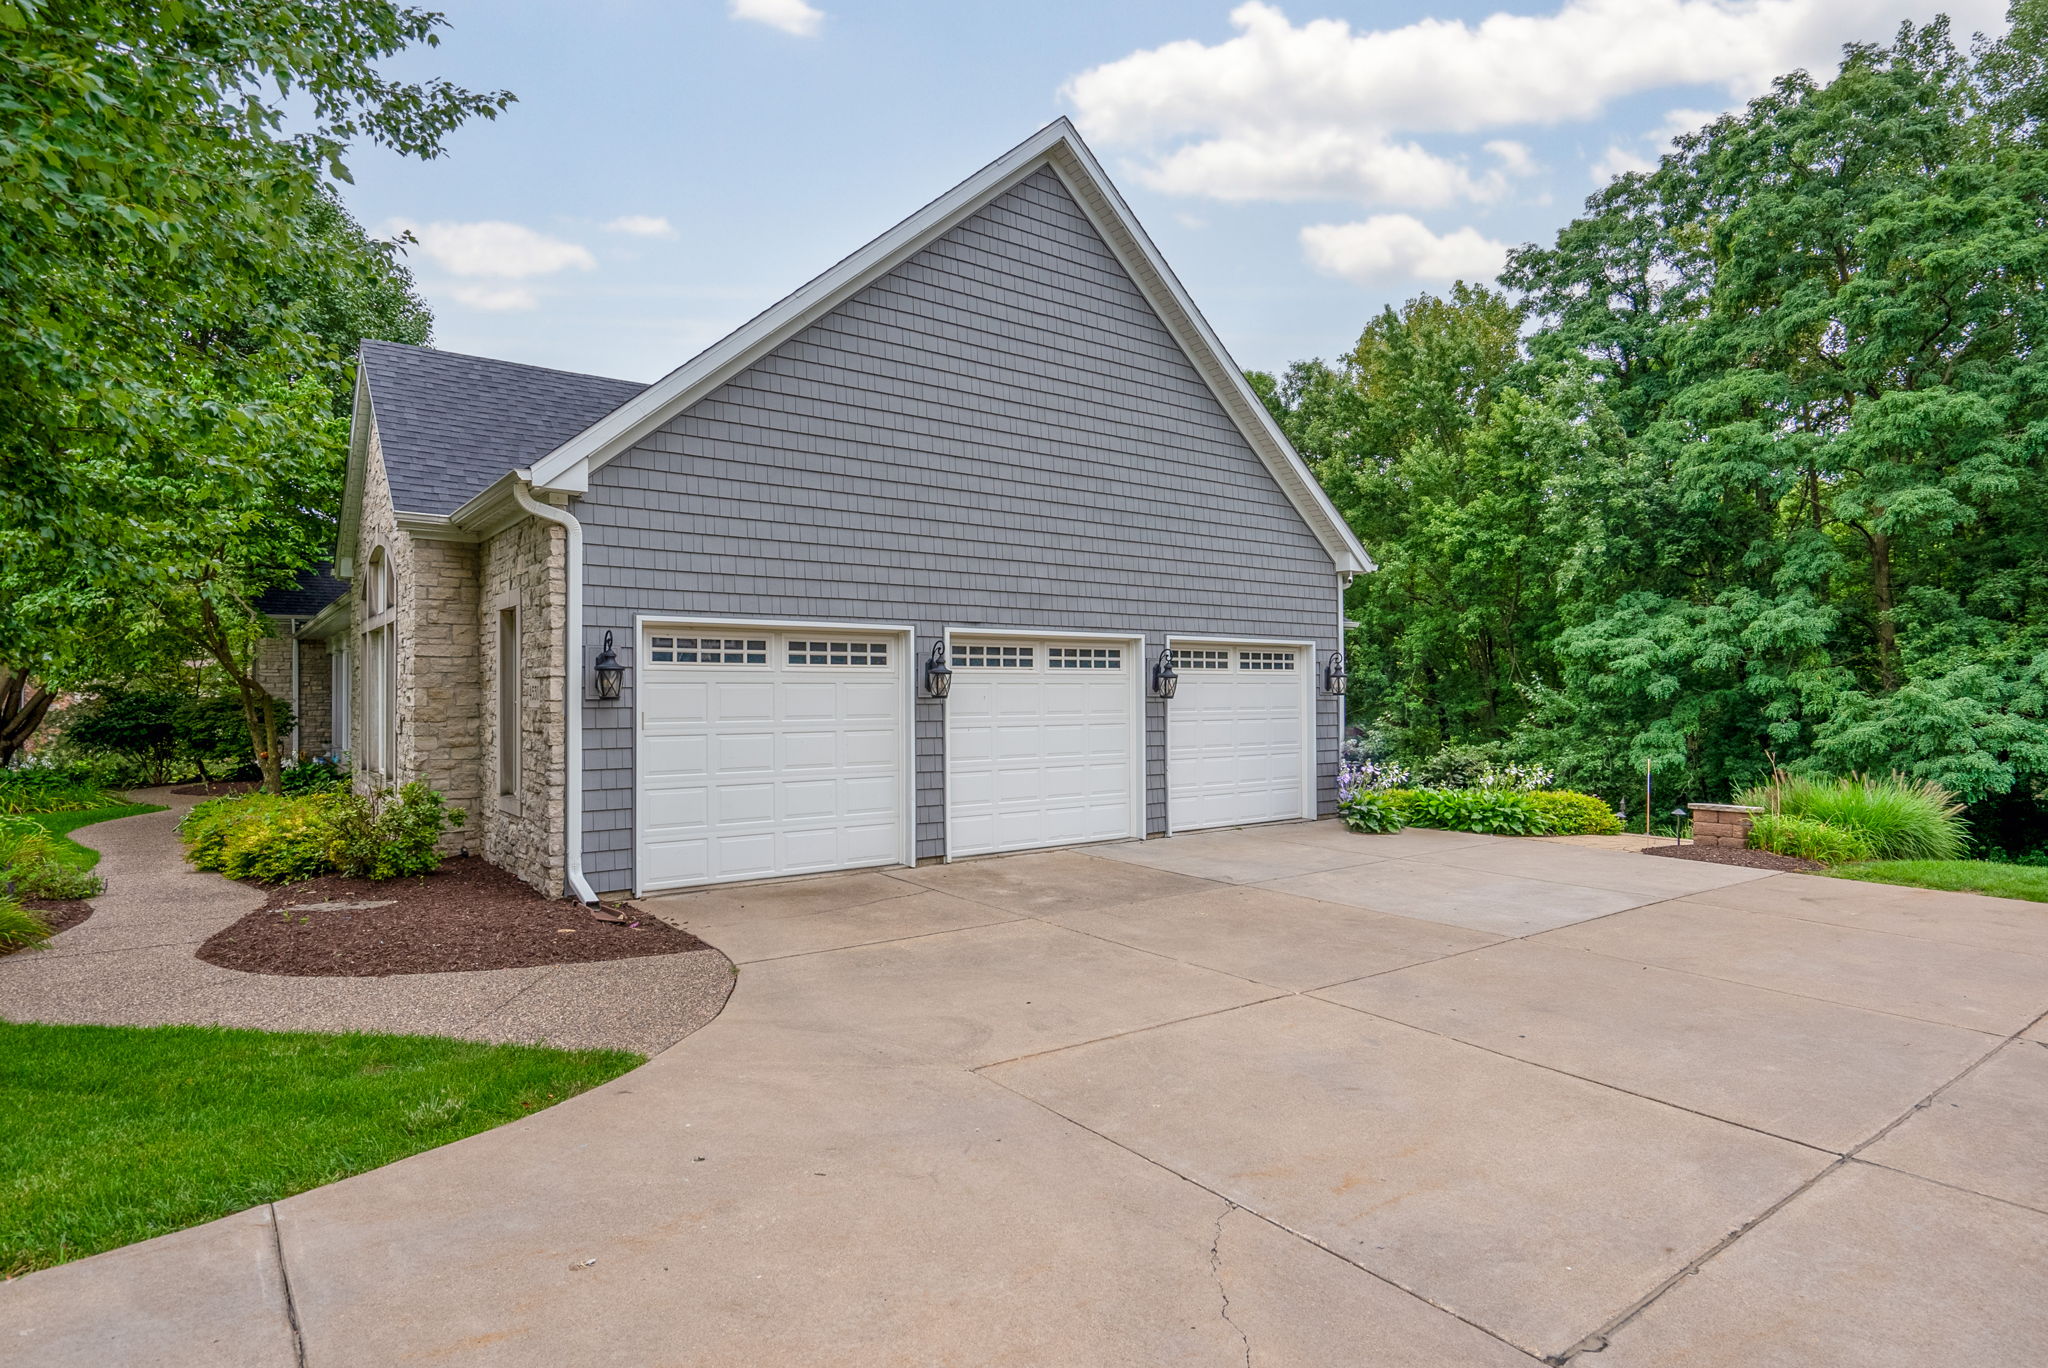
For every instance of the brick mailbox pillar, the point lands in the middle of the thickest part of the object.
(1721, 825)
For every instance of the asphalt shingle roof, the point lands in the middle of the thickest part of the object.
(451, 424)
(314, 590)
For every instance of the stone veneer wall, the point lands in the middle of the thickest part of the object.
(316, 686)
(440, 664)
(525, 567)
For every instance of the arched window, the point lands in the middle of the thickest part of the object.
(379, 739)
(380, 587)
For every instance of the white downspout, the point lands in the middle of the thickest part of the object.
(296, 723)
(572, 684)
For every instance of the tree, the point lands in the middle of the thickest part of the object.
(1437, 460)
(166, 243)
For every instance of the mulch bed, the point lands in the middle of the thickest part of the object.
(59, 916)
(1748, 859)
(466, 915)
(220, 788)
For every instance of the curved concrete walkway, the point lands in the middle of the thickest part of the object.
(131, 964)
(1286, 1097)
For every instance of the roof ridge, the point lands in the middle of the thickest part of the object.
(501, 361)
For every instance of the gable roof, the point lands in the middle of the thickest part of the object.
(450, 425)
(313, 590)
(568, 464)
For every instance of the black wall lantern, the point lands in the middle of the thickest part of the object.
(938, 675)
(609, 671)
(1335, 680)
(1165, 679)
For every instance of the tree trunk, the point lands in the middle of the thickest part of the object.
(259, 709)
(1887, 626)
(23, 705)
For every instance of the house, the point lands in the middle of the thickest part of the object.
(294, 662)
(901, 570)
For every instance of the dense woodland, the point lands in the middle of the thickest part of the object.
(1749, 465)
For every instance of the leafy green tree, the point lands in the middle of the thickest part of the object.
(1819, 320)
(179, 318)
(1439, 463)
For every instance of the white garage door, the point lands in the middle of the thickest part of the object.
(1237, 748)
(769, 752)
(1041, 743)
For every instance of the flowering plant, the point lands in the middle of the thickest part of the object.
(1369, 776)
(1517, 778)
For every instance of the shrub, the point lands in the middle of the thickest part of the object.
(1457, 767)
(326, 775)
(1575, 814)
(1497, 812)
(169, 734)
(51, 788)
(19, 927)
(46, 877)
(390, 835)
(1898, 818)
(1808, 839)
(293, 840)
(386, 835)
(30, 864)
(207, 828)
(1372, 813)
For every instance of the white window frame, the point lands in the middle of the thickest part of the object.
(380, 665)
(1133, 665)
(903, 640)
(511, 703)
(341, 697)
(1305, 667)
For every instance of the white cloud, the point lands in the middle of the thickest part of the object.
(642, 225)
(1620, 157)
(508, 251)
(496, 298)
(791, 16)
(1320, 110)
(1327, 163)
(1394, 247)
(1618, 160)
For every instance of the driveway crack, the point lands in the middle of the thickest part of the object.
(1216, 1272)
(291, 1305)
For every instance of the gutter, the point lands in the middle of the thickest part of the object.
(572, 691)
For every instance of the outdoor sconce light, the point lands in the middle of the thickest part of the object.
(938, 675)
(1335, 680)
(1165, 679)
(609, 671)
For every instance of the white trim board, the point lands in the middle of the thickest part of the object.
(1059, 146)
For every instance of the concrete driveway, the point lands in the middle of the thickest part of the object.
(1279, 1097)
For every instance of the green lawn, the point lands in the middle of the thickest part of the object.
(112, 1134)
(1956, 876)
(62, 824)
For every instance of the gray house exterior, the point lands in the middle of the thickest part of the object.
(998, 437)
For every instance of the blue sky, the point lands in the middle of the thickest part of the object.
(671, 168)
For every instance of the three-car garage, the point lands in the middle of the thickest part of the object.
(776, 749)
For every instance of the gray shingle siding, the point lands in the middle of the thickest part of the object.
(998, 433)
